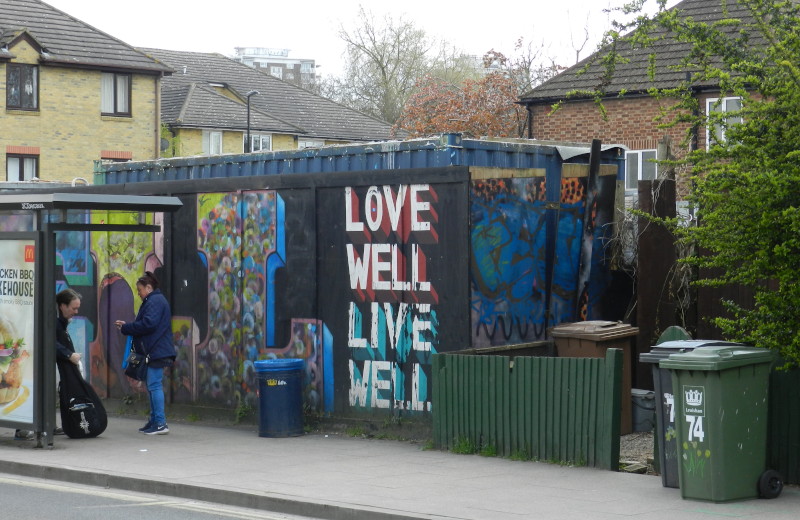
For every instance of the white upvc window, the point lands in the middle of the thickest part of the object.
(276, 71)
(716, 131)
(639, 166)
(212, 142)
(310, 143)
(115, 94)
(258, 143)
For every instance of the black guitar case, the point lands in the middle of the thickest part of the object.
(82, 412)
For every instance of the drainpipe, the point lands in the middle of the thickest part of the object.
(158, 115)
(529, 109)
(696, 112)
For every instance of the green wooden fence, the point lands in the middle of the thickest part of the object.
(564, 410)
(784, 424)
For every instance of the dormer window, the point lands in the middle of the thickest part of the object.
(22, 86)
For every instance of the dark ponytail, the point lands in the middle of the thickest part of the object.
(148, 278)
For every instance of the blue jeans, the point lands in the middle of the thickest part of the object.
(155, 387)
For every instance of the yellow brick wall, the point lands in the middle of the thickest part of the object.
(283, 142)
(68, 128)
(191, 142)
(232, 142)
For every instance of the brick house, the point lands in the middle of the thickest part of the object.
(648, 252)
(72, 95)
(205, 109)
(630, 117)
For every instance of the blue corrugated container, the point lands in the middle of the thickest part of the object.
(441, 151)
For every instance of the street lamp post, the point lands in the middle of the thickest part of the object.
(248, 148)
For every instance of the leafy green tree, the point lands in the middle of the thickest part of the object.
(746, 183)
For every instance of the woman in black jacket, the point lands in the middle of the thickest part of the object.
(69, 303)
(152, 336)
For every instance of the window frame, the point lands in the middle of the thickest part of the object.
(253, 137)
(302, 144)
(21, 177)
(642, 163)
(210, 138)
(115, 91)
(276, 71)
(721, 108)
(22, 66)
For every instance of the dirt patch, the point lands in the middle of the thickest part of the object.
(636, 450)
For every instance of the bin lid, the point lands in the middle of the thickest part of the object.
(596, 330)
(267, 365)
(663, 350)
(717, 358)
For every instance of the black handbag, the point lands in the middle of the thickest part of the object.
(135, 365)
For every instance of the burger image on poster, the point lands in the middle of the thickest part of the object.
(13, 355)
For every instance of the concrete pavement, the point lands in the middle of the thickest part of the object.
(341, 477)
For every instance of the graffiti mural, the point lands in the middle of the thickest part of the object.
(120, 258)
(527, 254)
(386, 255)
(241, 241)
(363, 275)
(568, 241)
(508, 260)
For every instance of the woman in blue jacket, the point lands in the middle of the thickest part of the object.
(152, 335)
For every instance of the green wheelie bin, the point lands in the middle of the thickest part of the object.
(721, 423)
(666, 443)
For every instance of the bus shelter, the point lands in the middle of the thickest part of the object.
(27, 295)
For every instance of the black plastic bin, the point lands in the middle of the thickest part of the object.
(667, 446)
(280, 386)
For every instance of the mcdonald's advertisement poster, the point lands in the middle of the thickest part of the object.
(17, 288)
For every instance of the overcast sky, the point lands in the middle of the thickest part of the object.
(309, 28)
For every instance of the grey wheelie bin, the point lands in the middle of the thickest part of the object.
(664, 433)
(721, 414)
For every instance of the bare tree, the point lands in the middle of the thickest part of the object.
(578, 44)
(383, 63)
(527, 68)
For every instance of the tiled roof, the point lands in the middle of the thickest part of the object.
(67, 40)
(314, 115)
(201, 107)
(633, 76)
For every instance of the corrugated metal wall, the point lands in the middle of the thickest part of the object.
(436, 152)
(541, 408)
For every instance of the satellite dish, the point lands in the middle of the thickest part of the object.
(164, 144)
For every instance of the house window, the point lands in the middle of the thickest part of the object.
(715, 130)
(115, 94)
(22, 86)
(258, 142)
(639, 166)
(276, 71)
(310, 143)
(212, 142)
(21, 167)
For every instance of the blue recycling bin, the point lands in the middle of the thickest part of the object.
(280, 388)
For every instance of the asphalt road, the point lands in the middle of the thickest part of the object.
(35, 499)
